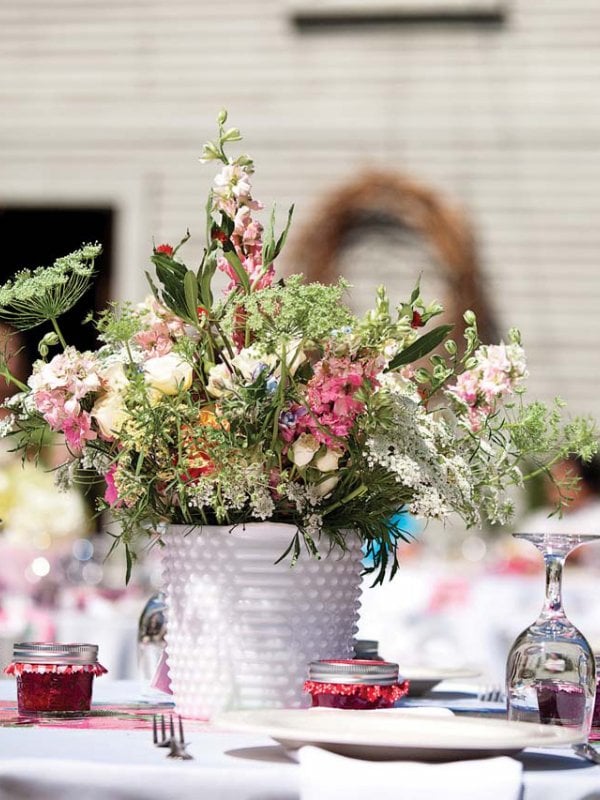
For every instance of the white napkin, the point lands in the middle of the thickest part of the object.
(327, 775)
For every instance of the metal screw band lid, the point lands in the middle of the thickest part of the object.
(366, 648)
(371, 673)
(55, 653)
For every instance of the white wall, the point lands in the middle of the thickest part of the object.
(110, 100)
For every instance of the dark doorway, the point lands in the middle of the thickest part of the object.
(36, 236)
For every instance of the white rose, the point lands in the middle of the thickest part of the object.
(220, 381)
(294, 356)
(249, 359)
(110, 414)
(114, 377)
(329, 460)
(325, 487)
(168, 374)
(303, 449)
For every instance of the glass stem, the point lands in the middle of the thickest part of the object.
(553, 601)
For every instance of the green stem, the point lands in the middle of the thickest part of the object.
(58, 332)
(360, 490)
(544, 468)
(10, 378)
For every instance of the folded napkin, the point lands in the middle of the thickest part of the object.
(327, 775)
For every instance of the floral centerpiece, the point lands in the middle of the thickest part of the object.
(274, 401)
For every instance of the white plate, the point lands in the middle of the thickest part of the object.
(395, 734)
(423, 679)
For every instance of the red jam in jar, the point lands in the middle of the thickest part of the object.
(358, 684)
(54, 679)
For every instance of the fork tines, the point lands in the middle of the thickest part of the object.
(175, 743)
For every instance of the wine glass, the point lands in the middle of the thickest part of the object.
(550, 672)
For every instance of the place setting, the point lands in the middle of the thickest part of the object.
(272, 454)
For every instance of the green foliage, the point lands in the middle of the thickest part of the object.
(296, 309)
(33, 297)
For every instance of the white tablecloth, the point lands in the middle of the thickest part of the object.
(123, 765)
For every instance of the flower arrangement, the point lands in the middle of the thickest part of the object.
(274, 401)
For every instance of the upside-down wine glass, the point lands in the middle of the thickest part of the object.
(550, 672)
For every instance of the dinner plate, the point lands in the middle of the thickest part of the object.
(395, 734)
(423, 679)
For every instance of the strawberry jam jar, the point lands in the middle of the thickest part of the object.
(358, 684)
(54, 679)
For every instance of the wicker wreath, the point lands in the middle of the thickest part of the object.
(402, 201)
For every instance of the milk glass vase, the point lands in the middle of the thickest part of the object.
(550, 672)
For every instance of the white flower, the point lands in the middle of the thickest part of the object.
(249, 362)
(114, 378)
(328, 461)
(168, 374)
(294, 356)
(303, 449)
(110, 413)
(328, 485)
(220, 381)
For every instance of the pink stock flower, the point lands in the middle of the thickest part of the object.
(155, 341)
(499, 369)
(77, 430)
(111, 495)
(331, 398)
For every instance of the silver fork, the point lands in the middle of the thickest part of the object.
(175, 743)
(492, 694)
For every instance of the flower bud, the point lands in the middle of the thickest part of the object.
(47, 341)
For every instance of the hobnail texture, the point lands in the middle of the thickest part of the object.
(241, 629)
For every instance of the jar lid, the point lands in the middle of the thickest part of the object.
(366, 648)
(371, 673)
(55, 653)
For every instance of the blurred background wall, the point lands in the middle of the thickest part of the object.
(495, 105)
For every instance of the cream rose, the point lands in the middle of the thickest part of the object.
(327, 486)
(249, 359)
(168, 374)
(303, 449)
(110, 414)
(328, 461)
(114, 378)
(220, 381)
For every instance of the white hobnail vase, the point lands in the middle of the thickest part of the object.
(242, 629)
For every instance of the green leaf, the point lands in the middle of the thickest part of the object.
(421, 347)
(415, 293)
(282, 239)
(205, 280)
(190, 288)
(129, 560)
(239, 270)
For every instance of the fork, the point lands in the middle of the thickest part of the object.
(492, 694)
(176, 744)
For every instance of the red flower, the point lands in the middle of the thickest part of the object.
(165, 249)
(219, 235)
(417, 320)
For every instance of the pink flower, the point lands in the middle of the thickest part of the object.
(77, 431)
(111, 495)
(499, 369)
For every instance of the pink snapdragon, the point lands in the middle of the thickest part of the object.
(59, 386)
(331, 399)
(232, 197)
(111, 494)
(498, 371)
